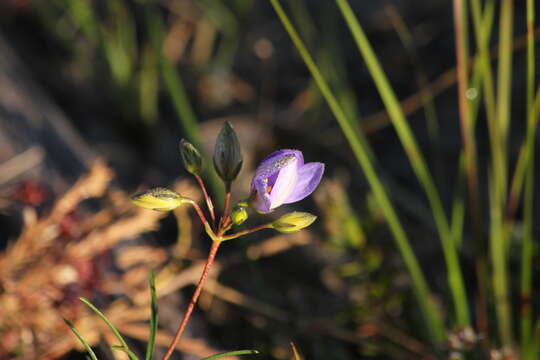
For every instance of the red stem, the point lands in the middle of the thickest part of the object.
(194, 298)
(199, 212)
(224, 218)
(207, 198)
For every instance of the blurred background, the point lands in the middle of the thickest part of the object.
(103, 90)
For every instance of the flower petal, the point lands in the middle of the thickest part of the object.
(271, 186)
(273, 163)
(262, 201)
(309, 176)
(285, 183)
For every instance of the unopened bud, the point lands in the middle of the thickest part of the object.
(293, 222)
(238, 215)
(227, 155)
(191, 157)
(159, 199)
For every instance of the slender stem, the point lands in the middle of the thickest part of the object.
(224, 218)
(194, 298)
(528, 210)
(207, 198)
(499, 238)
(245, 232)
(469, 144)
(464, 113)
(199, 211)
(207, 226)
(482, 22)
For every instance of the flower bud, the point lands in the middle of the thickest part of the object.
(227, 155)
(238, 215)
(159, 199)
(191, 157)
(293, 222)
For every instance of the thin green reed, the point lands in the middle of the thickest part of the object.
(465, 113)
(527, 248)
(482, 24)
(498, 238)
(430, 312)
(455, 278)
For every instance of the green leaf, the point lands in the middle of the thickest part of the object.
(81, 339)
(153, 319)
(111, 326)
(232, 353)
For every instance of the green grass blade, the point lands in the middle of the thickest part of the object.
(499, 238)
(232, 353)
(455, 278)
(81, 339)
(527, 249)
(431, 314)
(109, 324)
(458, 206)
(153, 318)
(128, 352)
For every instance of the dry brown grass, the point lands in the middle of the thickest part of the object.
(45, 270)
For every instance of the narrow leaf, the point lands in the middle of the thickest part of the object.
(232, 353)
(109, 324)
(81, 339)
(153, 318)
(129, 353)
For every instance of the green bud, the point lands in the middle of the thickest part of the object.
(227, 155)
(293, 222)
(191, 157)
(159, 199)
(239, 214)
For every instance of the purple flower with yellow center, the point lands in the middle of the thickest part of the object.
(283, 178)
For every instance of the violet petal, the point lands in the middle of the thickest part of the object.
(309, 176)
(262, 201)
(271, 164)
(284, 184)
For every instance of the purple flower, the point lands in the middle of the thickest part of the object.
(283, 178)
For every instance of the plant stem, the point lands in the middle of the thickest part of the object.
(207, 226)
(199, 211)
(499, 237)
(245, 232)
(224, 219)
(194, 298)
(207, 198)
(527, 249)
